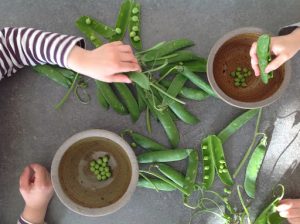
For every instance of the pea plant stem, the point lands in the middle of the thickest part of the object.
(247, 154)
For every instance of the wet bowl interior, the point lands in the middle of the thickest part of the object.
(232, 51)
(78, 188)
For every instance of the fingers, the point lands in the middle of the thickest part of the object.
(125, 48)
(287, 204)
(276, 63)
(127, 57)
(41, 175)
(115, 43)
(120, 78)
(291, 213)
(294, 221)
(25, 178)
(254, 59)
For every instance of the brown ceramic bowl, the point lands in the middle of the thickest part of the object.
(232, 51)
(78, 188)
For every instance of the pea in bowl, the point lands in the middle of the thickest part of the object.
(230, 54)
(85, 191)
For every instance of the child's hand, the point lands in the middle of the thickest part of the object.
(290, 209)
(283, 47)
(36, 190)
(106, 63)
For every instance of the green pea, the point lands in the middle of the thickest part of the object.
(93, 163)
(136, 38)
(135, 18)
(135, 28)
(133, 144)
(105, 159)
(205, 158)
(244, 85)
(206, 168)
(135, 10)
(206, 177)
(221, 167)
(245, 70)
(220, 171)
(238, 69)
(118, 30)
(204, 146)
(96, 172)
(108, 174)
(236, 80)
(101, 168)
(238, 73)
(249, 73)
(96, 166)
(102, 173)
(132, 34)
(92, 169)
(99, 161)
(225, 171)
(88, 21)
(222, 161)
(104, 177)
(106, 169)
(237, 84)
(242, 79)
(232, 74)
(227, 191)
(92, 38)
(240, 76)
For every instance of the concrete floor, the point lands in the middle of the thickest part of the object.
(32, 130)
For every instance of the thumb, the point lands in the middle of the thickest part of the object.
(120, 78)
(276, 63)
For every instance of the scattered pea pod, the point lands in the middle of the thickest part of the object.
(254, 167)
(164, 156)
(135, 26)
(97, 26)
(192, 171)
(159, 184)
(171, 173)
(220, 162)
(101, 99)
(208, 162)
(54, 74)
(112, 99)
(145, 142)
(196, 80)
(268, 212)
(89, 32)
(140, 79)
(174, 88)
(264, 56)
(140, 98)
(129, 100)
(180, 57)
(122, 20)
(236, 124)
(166, 48)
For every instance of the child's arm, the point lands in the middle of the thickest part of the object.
(21, 47)
(37, 191)
(283, 47)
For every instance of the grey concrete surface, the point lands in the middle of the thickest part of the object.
(31, 130)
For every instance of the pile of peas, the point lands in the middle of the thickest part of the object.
(135, 29)
(100, 168)
(222, 166)
(240, 76)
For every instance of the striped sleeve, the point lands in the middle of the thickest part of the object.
(23, 221)
(23, 46)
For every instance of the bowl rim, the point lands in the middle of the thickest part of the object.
(94, 212)
(222, 95)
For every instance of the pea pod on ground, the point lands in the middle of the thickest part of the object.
(174, 88)
(159, 184)
(101, 99)
(164, 156)
(140, 98)
(192, 171)
(208, 162)
(135, 26)
(89, 32)
(171, 173)
(129, 100)
(236, 124)
(253, 167)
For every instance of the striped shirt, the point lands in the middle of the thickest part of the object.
(23, 221)
(23, 46)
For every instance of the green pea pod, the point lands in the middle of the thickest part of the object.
(164, 156)
(140, 79)
(220, 162)
(180, 57)
(159, 184)
(101, 99)
(188, 93)
(196, 80)
(89, 33)
(264, 56)
(192, 171)
(123, 19)
(253, 167)
(137, 44)
(171, 173)
(140, 98)
(146, 143)
(183, 114)
(268, 213)
(174, 88)
(69, 74)
(166, 48)
(112, 99)
(129, 100)
(54, 74)
(97, 26)
(208, 162)
(236, 124)
(196, 65)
